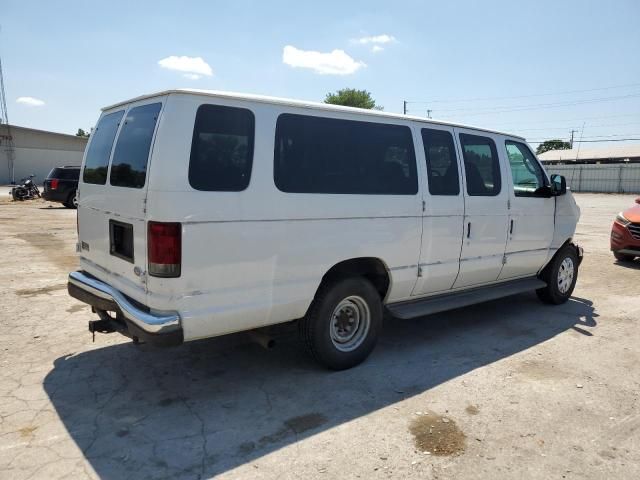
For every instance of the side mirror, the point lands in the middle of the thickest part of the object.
(638, 200)
(558, 184)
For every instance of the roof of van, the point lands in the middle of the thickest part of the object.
(303, 104)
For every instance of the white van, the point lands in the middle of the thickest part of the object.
(205, 213)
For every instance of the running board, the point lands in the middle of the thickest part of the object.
(449, 301)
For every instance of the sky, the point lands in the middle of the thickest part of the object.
(536, 68)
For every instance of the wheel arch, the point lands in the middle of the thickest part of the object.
(372, 268)
(568, 241)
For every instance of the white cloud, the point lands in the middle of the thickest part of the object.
(336, 62)
(191, 67)
(30, 101)
(376, 49)
(376, 39)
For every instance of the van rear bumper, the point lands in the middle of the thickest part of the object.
(160, 329)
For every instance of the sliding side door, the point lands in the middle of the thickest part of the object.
(443, 213)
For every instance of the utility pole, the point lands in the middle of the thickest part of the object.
(429, 113)
(571, 142)
(404, 107)
(7, 137)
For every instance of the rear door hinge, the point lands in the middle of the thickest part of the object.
(419, 271)
(424, 205)
(504, 259)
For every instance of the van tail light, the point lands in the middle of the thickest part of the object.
(164, 249)
(54, 184)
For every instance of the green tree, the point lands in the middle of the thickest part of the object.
(552, 145)
(82, 133)
(350, 97)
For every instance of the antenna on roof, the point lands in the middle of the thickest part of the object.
(580, 142)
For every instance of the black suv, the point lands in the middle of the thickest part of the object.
(61, 185)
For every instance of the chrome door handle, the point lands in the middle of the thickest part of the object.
(511, 228)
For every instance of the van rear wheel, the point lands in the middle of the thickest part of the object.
(342, 325)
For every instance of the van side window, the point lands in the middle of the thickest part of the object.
(526, 171)
(221, 149)
(130, 157)
(97, 160)
(329, 155)
(442, 166)
(481, 165)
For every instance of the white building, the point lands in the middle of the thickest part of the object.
(608, 154)
(36, 152)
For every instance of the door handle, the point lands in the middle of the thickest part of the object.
(511, 228)
(468, 229)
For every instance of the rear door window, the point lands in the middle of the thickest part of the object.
(97, 160)
(131, 154)
(481, 165)
(65, 173)
(221, 149)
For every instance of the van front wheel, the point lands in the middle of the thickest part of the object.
(343, 323)
(561, 275)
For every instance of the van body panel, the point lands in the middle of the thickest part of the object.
(255, 275)
(567, 214)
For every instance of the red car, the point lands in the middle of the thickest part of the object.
(625, 234)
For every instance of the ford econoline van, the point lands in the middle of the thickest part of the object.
(205, 213)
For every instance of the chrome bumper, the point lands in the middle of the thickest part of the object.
(102, 296)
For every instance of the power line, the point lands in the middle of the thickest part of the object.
(614, 135)
(635, 114)
(602, 137)
(566, 92)
(567, 127)
(593, 141)
(519, 108)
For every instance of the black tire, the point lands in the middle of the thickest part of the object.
(559, 290)
(621, 257)
(319, 331)
(17, 194)
(70, 201)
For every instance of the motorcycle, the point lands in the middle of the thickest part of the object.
(27, 190)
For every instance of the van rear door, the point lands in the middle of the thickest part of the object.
(113, 193)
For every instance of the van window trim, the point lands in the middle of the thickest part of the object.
(482, 134)
(113, 144)
(458, 161)
(365, 119)
(253, 146)
(545, 176)
(161, 101)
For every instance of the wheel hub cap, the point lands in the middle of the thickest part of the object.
(350, 323)
(565, 275)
